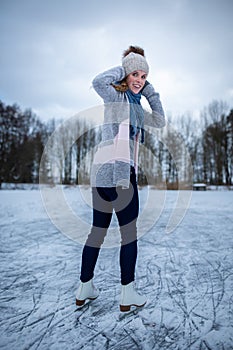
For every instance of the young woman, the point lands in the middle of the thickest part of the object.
(113, 178)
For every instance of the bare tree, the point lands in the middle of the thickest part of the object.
(215, 144)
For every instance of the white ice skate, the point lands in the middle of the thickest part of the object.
(129, 297)
(86, 290)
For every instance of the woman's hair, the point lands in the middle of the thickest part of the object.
(123, 86)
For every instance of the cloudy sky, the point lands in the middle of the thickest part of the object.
(51, 50)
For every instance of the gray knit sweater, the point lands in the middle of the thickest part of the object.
(116, 153)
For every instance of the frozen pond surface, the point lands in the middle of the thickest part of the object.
(187, 276)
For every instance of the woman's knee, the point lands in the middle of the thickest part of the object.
(128, 233)
(96, 237)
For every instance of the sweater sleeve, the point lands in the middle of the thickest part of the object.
(157, 118)
(102, 83)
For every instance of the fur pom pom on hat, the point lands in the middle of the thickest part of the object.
(134, 61)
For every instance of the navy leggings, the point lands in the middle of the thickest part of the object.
(125, 203)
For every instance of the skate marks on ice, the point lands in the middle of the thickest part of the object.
(194, 304)
(187, 278)
(188, 308)
(180, 313)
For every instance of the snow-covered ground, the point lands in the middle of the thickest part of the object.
(187, 276)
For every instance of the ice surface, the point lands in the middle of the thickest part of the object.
(186, 275)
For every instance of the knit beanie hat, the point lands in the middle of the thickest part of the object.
(134, 61)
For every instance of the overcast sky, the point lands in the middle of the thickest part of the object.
(51, 50)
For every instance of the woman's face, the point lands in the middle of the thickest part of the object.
(136, 80)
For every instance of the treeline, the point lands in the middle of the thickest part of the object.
(68, 158)
(209, 141)
(22, 138)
